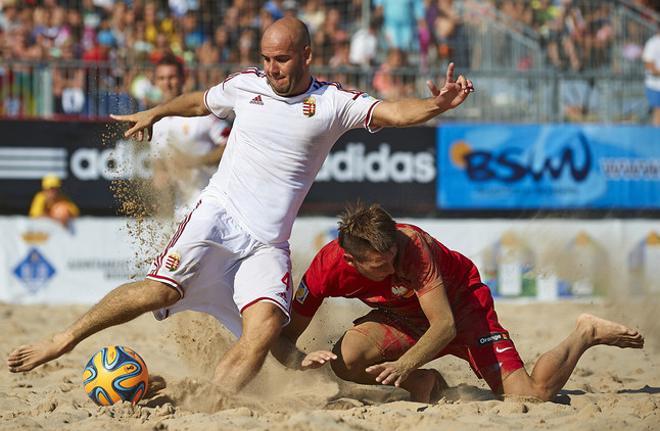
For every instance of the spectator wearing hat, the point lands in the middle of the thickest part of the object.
(52, 203)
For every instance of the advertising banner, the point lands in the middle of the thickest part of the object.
(43, 262)
(514, 167)
(395, 167)
(87, 156)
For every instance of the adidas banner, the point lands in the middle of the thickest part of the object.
(86, 155)
(396, 167)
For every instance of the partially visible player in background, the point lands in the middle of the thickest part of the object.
(185, 151)
(51, 202)
(651, 58)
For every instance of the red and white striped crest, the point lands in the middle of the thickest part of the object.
(309, 107)
(172, 261)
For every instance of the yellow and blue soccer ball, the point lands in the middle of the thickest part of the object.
(115, 373)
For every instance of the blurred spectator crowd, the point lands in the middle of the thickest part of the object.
(380, 37)
(579, 35)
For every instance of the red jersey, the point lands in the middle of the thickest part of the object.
(421, 264)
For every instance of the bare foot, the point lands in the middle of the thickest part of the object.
(29, 356)
(603, 331)
(425, 386)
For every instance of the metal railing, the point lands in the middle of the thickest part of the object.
(493, 45)
(95, 90)
(633, 28)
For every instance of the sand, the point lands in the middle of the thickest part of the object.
(612, 389)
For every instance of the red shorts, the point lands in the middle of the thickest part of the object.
(480, 339)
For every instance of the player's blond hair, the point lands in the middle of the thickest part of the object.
(363, 228)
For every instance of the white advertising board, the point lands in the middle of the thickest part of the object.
(42, 262)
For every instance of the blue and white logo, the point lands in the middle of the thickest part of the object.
(548, 167)
(34, 271)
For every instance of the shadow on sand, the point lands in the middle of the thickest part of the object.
(644, 390)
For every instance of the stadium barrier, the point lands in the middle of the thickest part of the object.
(503, 94)
(42, 262)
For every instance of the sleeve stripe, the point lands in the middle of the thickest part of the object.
(206, 103)
(358, 94)
(367, 120)
(231, 76)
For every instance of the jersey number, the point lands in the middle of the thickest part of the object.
(287, 280)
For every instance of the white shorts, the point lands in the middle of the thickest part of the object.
(219, 269)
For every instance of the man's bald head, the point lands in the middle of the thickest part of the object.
(289, 31)
(287, 56)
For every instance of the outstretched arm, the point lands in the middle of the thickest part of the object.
(408, 112)
(186, 105)
(442, 330)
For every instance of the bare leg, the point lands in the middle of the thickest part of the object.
(124, 303)
(262, 323)
(355, 352)
(553, 368)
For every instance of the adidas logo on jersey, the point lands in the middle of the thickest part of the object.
(257, 100)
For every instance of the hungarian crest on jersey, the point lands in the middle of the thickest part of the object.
(172, 261)
(309, 107)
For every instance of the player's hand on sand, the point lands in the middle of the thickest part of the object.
(317, 359)
(141, 124)
(453, 92)
(390, 373)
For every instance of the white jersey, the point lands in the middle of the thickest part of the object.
(651, 54)
(277, 146)
(193, 136)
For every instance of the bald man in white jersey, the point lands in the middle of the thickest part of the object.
(230, 255)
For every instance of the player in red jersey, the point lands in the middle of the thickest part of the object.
(428, 301)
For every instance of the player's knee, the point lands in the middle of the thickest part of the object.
(259, 346)
(261, 329)
(542, 391)
(351, 359)
(267, 335)
(538, 389)
(521, 383)
(342, 369)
